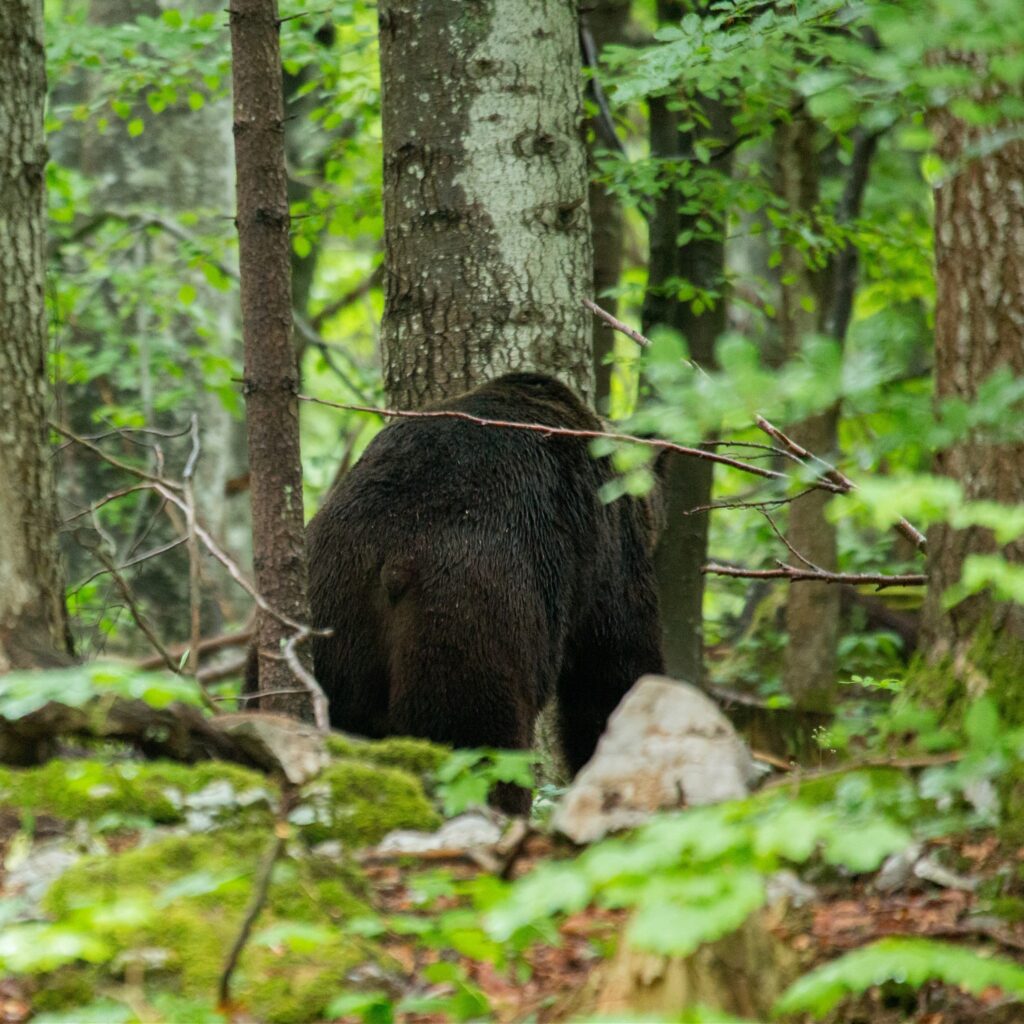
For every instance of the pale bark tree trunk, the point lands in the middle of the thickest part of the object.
(33, 628)
(979, 328)
(279, 540)
(682, 548)
(485, 196)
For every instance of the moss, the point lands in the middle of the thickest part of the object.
(419, 757)
(196, 890)
(92, 790)
(359, 803)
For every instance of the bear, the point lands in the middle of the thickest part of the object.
(468, 573)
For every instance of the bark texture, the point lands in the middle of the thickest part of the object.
(812, 609)
(485, 196)
(682, 549)
(979, 328)
(279, 544)
(33, 628)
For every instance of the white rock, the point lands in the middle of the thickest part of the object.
(667, 745)
(466, 832)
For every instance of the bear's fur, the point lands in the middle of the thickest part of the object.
(470, 572)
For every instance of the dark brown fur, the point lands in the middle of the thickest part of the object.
(470, 572)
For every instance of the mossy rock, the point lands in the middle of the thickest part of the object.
(418, 757)
(358, 803)
(194, 891)
(130, 791)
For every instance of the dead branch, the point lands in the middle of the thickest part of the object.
(194, 584)
(282, 832)
(115, 462)
(540, 428)
(842, 483)
(206, 646)
(795, 575)
(317, 696)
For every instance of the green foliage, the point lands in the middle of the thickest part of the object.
(21, 693)
(467, 776)
(693, 877)
(906, 961)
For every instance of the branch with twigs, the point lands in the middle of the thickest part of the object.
(549, 431)
(795, 575)
(179, 495)
(838, 481)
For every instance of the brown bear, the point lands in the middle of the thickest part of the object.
(470, 572)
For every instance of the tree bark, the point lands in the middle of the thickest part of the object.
(279, 543)
(979, 328)
(682, 548)
(33, 624)
(812, 609)
(485, 196)
(606, 22)
(815, 301)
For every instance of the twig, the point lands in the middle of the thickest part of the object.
(352, 295)
(540, 428)
(194, 591)
(112, 496)
(789, 547)
(799, 775)
(317, 696)
(843, 482)
(117, 463)
(137, 613)
(215, 643)
(144, 557)
(758, 506)
(795, 575)
(282, 831)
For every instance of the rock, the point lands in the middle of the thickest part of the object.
(278, 744)
(466, 832)
(667, 745)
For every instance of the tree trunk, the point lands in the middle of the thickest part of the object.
(485, 196)
(605, 22)
(279, 542)
(815, 301)
(979, 328)
(33, 626)
(812, 609)
(682, 548)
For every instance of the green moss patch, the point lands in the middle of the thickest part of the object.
(174, 907)
(418, 757)
(130, 791)
(359, 803)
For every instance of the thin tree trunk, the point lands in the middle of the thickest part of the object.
(815, 301)
(682, 548)
(812, 609)
(279, 543)
(979, 328)
(33, 625)
(485, 196)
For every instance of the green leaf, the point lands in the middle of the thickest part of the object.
(136, 127)
(909, 961)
